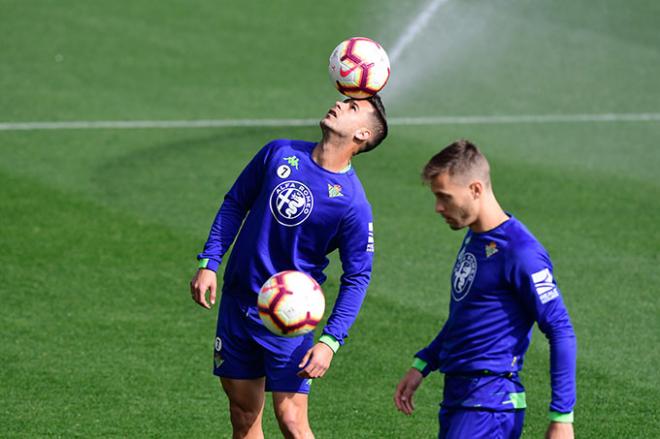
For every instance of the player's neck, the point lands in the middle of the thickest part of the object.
(332, 156)
(490, 216)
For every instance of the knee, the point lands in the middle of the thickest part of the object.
(293, 423)
(242, 418)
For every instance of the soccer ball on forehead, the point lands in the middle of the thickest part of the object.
(359, 67)
(291, 303)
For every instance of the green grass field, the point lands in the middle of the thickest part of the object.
(99, 228)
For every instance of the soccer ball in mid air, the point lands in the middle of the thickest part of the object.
(291, 303)
(359, 67)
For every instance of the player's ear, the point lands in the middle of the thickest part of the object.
(363, 134)
(476, 189)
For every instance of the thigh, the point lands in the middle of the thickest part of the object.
(245, 395)
(236, 354)
(478, 424)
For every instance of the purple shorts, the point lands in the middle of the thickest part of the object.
(245, 349)
(461, 423)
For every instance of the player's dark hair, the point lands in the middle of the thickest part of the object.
(380, 123)
(461, 157)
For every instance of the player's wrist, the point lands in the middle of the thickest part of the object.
(208, 264)
(330, 341)
(565, 418)
(421, 365)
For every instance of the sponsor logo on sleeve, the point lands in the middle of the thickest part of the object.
(370, 239)
(545, 286)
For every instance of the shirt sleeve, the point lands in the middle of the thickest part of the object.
(532, 275)
(237, 202)
(430, 355)
(356, 250)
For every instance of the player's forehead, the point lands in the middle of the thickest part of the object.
(362, 104)
(444, 183)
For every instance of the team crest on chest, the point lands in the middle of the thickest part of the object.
(291, 203)
(491, 249)
(463, 275)
(334, 190)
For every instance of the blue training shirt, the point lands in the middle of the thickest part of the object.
(501, 284)
(297, 213)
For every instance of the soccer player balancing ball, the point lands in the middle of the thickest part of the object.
(291, 303)
(359, 67)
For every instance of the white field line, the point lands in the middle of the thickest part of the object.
(401, 121)
(413, 29)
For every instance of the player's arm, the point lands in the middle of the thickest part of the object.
(355, 242)
(237, 202)
(533, 276)
(425, 362)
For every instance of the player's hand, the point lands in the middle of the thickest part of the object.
(559, 430)
(316, 361)
(403, 396)
(204, 280)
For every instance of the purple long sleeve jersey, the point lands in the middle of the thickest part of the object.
(501, 284)
(293, 214)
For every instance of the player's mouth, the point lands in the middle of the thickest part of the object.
(332, 113)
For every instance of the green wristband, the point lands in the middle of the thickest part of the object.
(419, 364)
(330, 341)
(560, 417)
(203, 263)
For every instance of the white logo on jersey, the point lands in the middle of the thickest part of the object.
(218, 344)
(283, 171)
(463, 275)
(545, 287)
(370, 240)
(291, 203)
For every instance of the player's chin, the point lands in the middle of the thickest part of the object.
(455, 225)
(326, 122)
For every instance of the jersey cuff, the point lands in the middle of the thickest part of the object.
(422, 366)
(419, 364)
(208, 264)
(329, 341)
(560, 417)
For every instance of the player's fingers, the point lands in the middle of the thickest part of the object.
(311, 369)
(407, 402)
(397, 396)
(317, 371)
(202, 301)
(404, 397)
(305, 359)
(200, 295)
(212, 296)
(397, 401)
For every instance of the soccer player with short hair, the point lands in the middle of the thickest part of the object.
(502, 282)
(294, 203)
